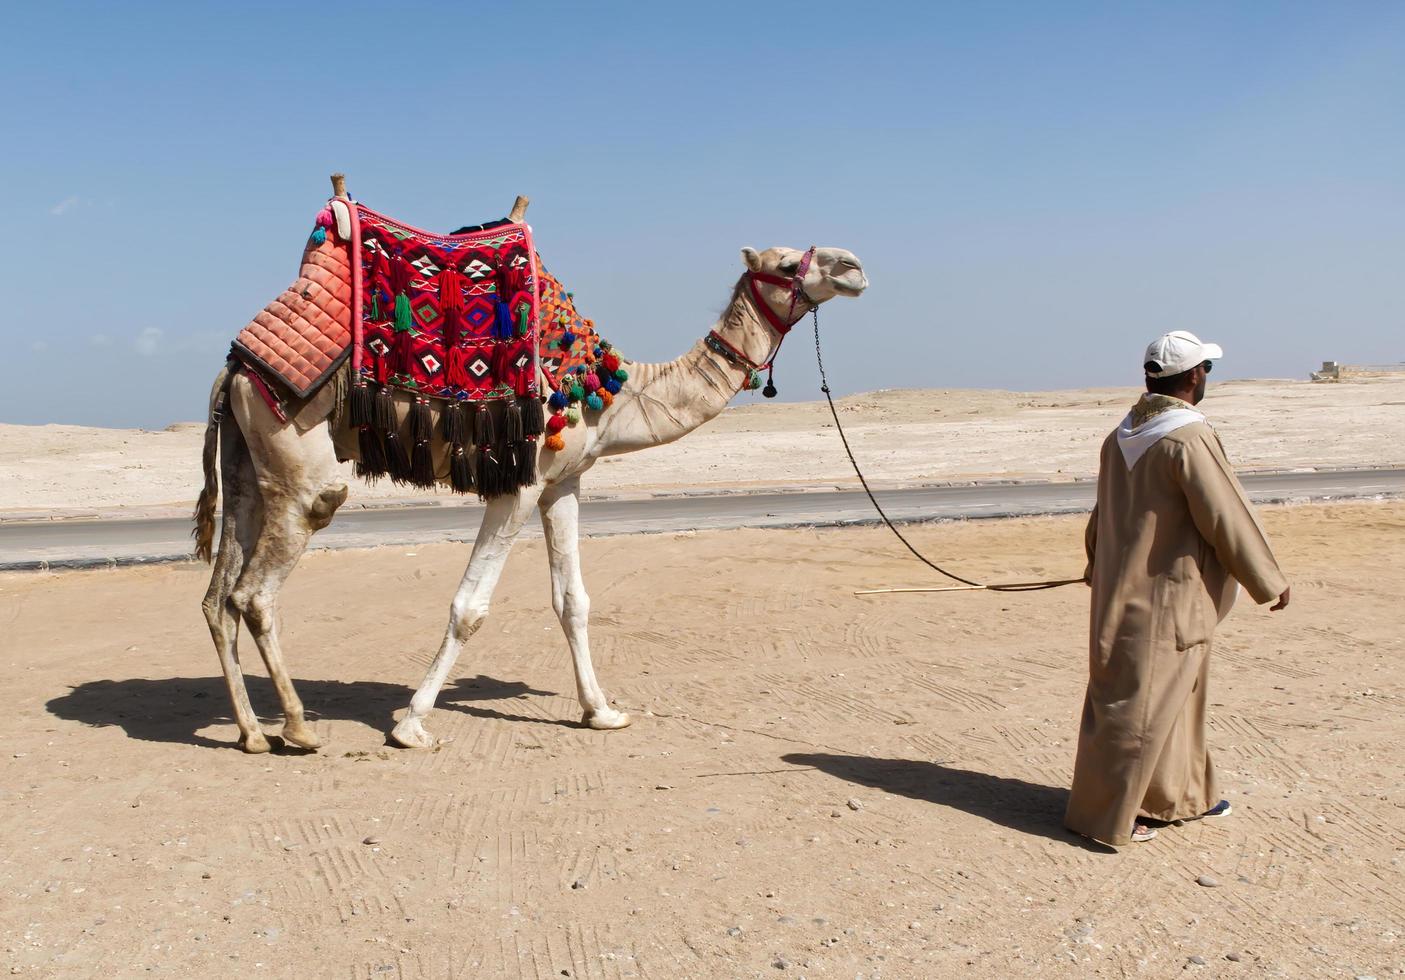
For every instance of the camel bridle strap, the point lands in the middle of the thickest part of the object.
(716, 343)
(839, 427)
(795, 284)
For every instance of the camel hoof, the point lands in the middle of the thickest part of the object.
(254, 744)
(607, 720)
(302, 737)
(410, 734)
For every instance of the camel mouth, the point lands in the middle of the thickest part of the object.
(845, 287)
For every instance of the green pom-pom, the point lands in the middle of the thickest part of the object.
(573, 415)
(621, 374)
(577, 393)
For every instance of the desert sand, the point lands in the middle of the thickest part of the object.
(816, 784)
(900, 437)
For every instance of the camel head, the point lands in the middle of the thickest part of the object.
(832, 272)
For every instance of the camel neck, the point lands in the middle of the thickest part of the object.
(664, 402)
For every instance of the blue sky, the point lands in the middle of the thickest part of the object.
(1036, 189)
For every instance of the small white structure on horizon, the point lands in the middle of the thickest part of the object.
(1332, 371)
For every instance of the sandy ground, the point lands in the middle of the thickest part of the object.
(901, 437)
(816, 785)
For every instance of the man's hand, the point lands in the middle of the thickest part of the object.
(1282, 602)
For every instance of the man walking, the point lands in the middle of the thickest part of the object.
(1171, 534)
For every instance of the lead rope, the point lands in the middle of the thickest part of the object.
(1003, 587)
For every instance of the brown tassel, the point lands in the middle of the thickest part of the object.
(371, 465)
(461, 470)
(363, 401)
(383, 411)
(451, 421)
(455, 423)
(512, 422)
(482, 425)
(525, 460)
(397, 459)
(490, 473)
(421, 421)
(422, 465)
(533, 417)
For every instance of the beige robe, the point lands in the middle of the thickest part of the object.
(1165, 543)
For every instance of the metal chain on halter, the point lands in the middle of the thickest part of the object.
(1008, 587)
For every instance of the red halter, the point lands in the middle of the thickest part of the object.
(796, 283)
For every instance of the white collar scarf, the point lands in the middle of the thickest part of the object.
(1151, 419)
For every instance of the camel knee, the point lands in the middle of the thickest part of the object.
(325, 504)
(465, 617)
(256, 608)
(572, 607)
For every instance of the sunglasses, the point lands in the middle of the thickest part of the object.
(1207, 365)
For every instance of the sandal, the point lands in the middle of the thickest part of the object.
(1141, 832)
(1220, 809)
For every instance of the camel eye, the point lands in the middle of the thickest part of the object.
(790, 265)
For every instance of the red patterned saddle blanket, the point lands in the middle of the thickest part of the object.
(468, 328)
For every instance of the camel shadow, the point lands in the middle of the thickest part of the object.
(176, 709)
(1030, 808)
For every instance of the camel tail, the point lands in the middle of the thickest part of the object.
(204, 532)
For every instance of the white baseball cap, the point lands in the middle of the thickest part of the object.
(1177, 351)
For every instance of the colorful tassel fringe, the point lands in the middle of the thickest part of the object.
(491, 446)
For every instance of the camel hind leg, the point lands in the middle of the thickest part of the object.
(239, 527)
(300, 491)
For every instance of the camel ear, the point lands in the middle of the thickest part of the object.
(752, 258)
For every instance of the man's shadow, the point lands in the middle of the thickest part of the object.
(1030, 808)
(175, 709)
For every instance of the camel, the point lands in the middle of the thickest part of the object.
(282, 485)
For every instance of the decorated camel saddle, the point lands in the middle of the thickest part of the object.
(445, 348)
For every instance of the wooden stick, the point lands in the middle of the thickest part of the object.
(339, 187)
(997, 587)
(519, 209)
(944, 588)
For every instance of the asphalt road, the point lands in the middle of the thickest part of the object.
(88, 544)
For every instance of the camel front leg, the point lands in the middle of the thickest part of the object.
(502, 522)
(560, 510)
